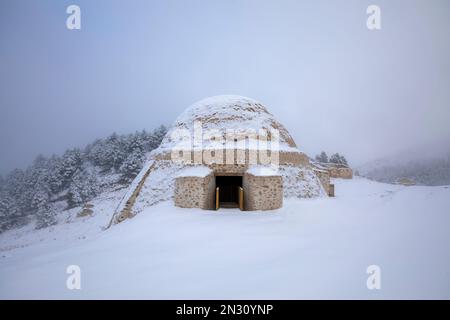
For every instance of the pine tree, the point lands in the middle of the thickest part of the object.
(70, 163)
(156, 137)
(95, 152)
(55, 178)
(4, 213)
(335, 158)
(322, 157)
(108, 154)
(114, 152)
(132, 166)
(46, 216)
(9, 217)
(17, 189)
(338, 159)
(134, 143)
(41, 205)
(84, 187)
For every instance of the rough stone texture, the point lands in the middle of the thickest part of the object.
(297, 180)
(341, 172)
(324, 177)
(194, 192)
(262, 192)
(294, 158)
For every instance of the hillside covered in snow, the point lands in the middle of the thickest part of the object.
(43, 193)
(429, 171)
(310, 248)
(424, 164)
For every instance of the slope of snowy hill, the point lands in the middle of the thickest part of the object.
(42, 193)
(425, 165)
(311, 248)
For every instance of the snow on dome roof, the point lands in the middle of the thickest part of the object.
(228, 112)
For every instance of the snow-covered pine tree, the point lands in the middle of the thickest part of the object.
(133, 163)
(70, 163)
(37, 181)
(4, 212)
(156, 137)
(334, 158)
(45, 216)
(9, 217)
(144, 136)
(114, 152)
(41, 204)
(107, 154)
(15, 188)
(322, 157)
(83, 187)
(131, 166)
(338, 159)
(55, 178)
(94, 152)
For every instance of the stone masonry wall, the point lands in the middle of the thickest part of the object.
(262, 192)
(341, 172)
(194, 192)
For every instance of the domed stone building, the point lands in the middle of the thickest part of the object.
(224, 152)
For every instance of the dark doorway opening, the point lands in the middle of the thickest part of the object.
(228, 190)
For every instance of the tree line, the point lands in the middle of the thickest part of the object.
(335, 158)
(75, 177)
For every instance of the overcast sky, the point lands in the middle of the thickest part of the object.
(134, 65)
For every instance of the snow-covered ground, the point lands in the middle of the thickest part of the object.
(311, 248)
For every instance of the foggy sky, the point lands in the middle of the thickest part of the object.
(134, 65)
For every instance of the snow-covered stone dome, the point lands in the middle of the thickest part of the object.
(228, 112)
(220, 170)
